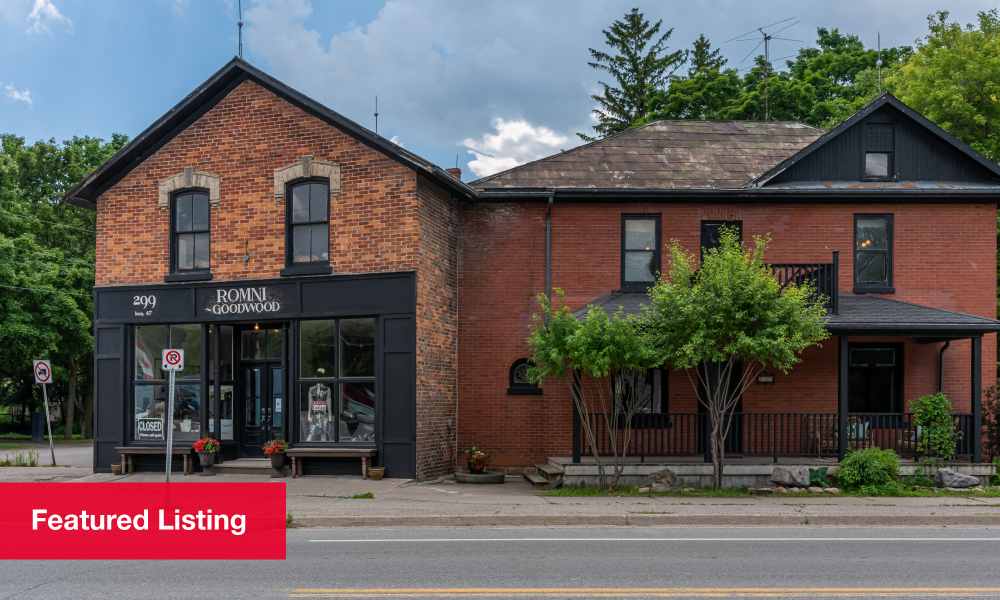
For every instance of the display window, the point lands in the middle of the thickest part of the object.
(149, 389)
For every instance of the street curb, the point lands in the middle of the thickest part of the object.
(643, 520)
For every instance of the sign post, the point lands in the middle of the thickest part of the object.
(173, 361)
(43, 375)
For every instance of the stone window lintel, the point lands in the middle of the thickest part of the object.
(190, 178)
(305, 168)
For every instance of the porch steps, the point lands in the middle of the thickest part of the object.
(248, 466)
(545, 477)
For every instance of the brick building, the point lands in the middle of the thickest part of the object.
(331, 288)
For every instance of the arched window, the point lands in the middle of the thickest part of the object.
(190, 232)
(519, 383)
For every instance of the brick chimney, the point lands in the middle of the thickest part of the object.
(456, 173)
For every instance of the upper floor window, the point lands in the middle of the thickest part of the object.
(308, 221)
(190, 237)
(873, 253)
(640, 252)
(519, 383)
(711, 233)
(879, 151)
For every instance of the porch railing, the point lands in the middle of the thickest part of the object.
(824, 277)
(765, 434)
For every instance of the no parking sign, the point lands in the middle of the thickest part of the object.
(173, 360)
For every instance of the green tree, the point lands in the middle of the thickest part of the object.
(603, 361)
(641, 62)
(729, 312)
(703, 58)
(954, 80)
(704, 95)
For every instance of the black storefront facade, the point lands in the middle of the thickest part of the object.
(327, 361)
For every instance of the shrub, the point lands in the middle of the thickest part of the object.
(868, 467)
(932, 414)
(995, 479)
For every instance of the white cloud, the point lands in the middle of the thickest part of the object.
(395, 140)
(44, 12)
(14, 10)
(24, 96)
(515, 143)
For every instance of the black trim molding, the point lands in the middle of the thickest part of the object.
(315, 270)
(193, 276)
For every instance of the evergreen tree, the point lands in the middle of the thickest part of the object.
(640, 64)
(703, 58)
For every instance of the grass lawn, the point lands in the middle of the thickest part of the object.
(626, 491)
(11, 446)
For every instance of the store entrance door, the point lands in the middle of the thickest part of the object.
(260, 389)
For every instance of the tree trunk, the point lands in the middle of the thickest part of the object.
(71, 397)
(718, 454)
(88, 400)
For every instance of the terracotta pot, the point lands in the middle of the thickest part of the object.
(376, 473)
(207, 460)
(277, 461)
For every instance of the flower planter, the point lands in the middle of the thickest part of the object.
(376, 473)
(473, 469)
(116, 469)
(277, 462)
(207, 460)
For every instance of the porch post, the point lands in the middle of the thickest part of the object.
(842, 364)
(977, 399)
(576, 435)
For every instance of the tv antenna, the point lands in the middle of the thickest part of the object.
(766, 40)
(376, 113)
(240, 25)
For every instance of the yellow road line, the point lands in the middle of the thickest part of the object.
(647, 593)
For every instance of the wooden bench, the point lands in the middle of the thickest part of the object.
(128, 452)
(301, 453)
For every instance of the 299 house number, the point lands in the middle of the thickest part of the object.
(146, 302)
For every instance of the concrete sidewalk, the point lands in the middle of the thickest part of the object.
(328, 502)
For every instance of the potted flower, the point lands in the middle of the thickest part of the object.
(206, 449)
(276, 450)
(477, 460)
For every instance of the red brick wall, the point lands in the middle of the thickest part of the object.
(944, 256)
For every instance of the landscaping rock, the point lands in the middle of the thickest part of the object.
(763, 491)
(664, 476)
(660, 487)
(831, 490)
(790, 476)
(780, 490)
(794, 490)
(815, 490)
(643, 490)
(751, 490)
(948, 478)
(687, 489)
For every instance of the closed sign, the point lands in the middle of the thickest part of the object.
(149, 429)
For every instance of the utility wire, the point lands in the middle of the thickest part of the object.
(14, 287)
(49, 222)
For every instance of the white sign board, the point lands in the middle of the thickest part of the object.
(43, 371)
(173, 360)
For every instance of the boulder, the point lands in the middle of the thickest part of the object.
(794, 490)
(831, 490)
(815, 490)
(763, 491)
(643, 490)
(948, 478)
(660, 487)
(780, 490)
(790, 476)
(664, 476)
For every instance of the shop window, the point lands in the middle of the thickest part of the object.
(149, 388)
(640, 252)
(879, 146)
(873, 253)
(875, 378)
(261, 344)
(711, 233)
(190, 232)
(518, 383)
(337, 381)
(308, 218)
(227, 384)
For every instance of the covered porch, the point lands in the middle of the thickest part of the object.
(870, 335)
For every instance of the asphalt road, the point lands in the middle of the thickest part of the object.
(621, 562)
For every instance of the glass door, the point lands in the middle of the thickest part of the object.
(263, 407)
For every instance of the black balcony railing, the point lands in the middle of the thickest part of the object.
(767, 434)
(823, 277)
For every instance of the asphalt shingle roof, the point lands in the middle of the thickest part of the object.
(676, 154)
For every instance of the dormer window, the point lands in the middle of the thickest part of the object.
(878, 153)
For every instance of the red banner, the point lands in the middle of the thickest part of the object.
(143, 521)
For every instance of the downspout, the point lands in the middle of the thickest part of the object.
(941, 367)
(548, 254)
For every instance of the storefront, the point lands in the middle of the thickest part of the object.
(318, 361)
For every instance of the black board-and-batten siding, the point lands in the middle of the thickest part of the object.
(390, 298)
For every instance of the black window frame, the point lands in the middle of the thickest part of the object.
(317, 267)
(898, 403)
(704, 231)
(873, 145)
(640, 286)
(196, 273)
(875, 287)
(516, 388)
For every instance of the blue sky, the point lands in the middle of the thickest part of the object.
(495, 83)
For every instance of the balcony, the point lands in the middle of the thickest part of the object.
(823, 276)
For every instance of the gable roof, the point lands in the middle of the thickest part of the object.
(885, 99)
(210, 93)
(665, 154)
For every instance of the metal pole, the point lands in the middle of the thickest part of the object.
(977, 400)
(48, 424)
(170, 422)
(217, 392)
(842, 404)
